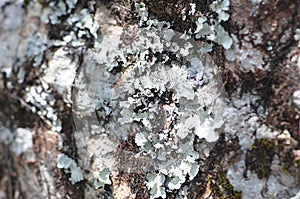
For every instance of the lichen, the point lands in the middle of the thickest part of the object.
(84, 21)
(103, 179)
(39, 97)
(297, 34)
(235, 176)
(37, 45)
(142, 11)
(57, 10)
(148, 99)
(22, 141)
(209, 27)
(156, 185)
(296, 196)
(40, 101)
(157, 90)
(165, 91)
(70, 166)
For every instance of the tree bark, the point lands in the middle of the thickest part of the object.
(50, 56)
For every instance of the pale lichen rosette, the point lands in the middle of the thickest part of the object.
(154, 90)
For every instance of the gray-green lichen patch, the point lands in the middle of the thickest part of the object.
(297, 34)
(239, 114)
(157, 88)
(37, 44)
(142, 97)
(210, 29)
(25, 47)
(278, 185)
(103, 179)
(70, 166)
(209, 24)
(57, 10)
(41, 102)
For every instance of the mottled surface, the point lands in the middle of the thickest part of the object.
(80, 80)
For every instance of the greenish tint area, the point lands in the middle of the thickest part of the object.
(221, 188)
(26, 2)
(259, 158)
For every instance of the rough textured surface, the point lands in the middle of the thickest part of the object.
(131, 99)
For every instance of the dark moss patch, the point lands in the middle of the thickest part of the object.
(259, 158)
(221, 188)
